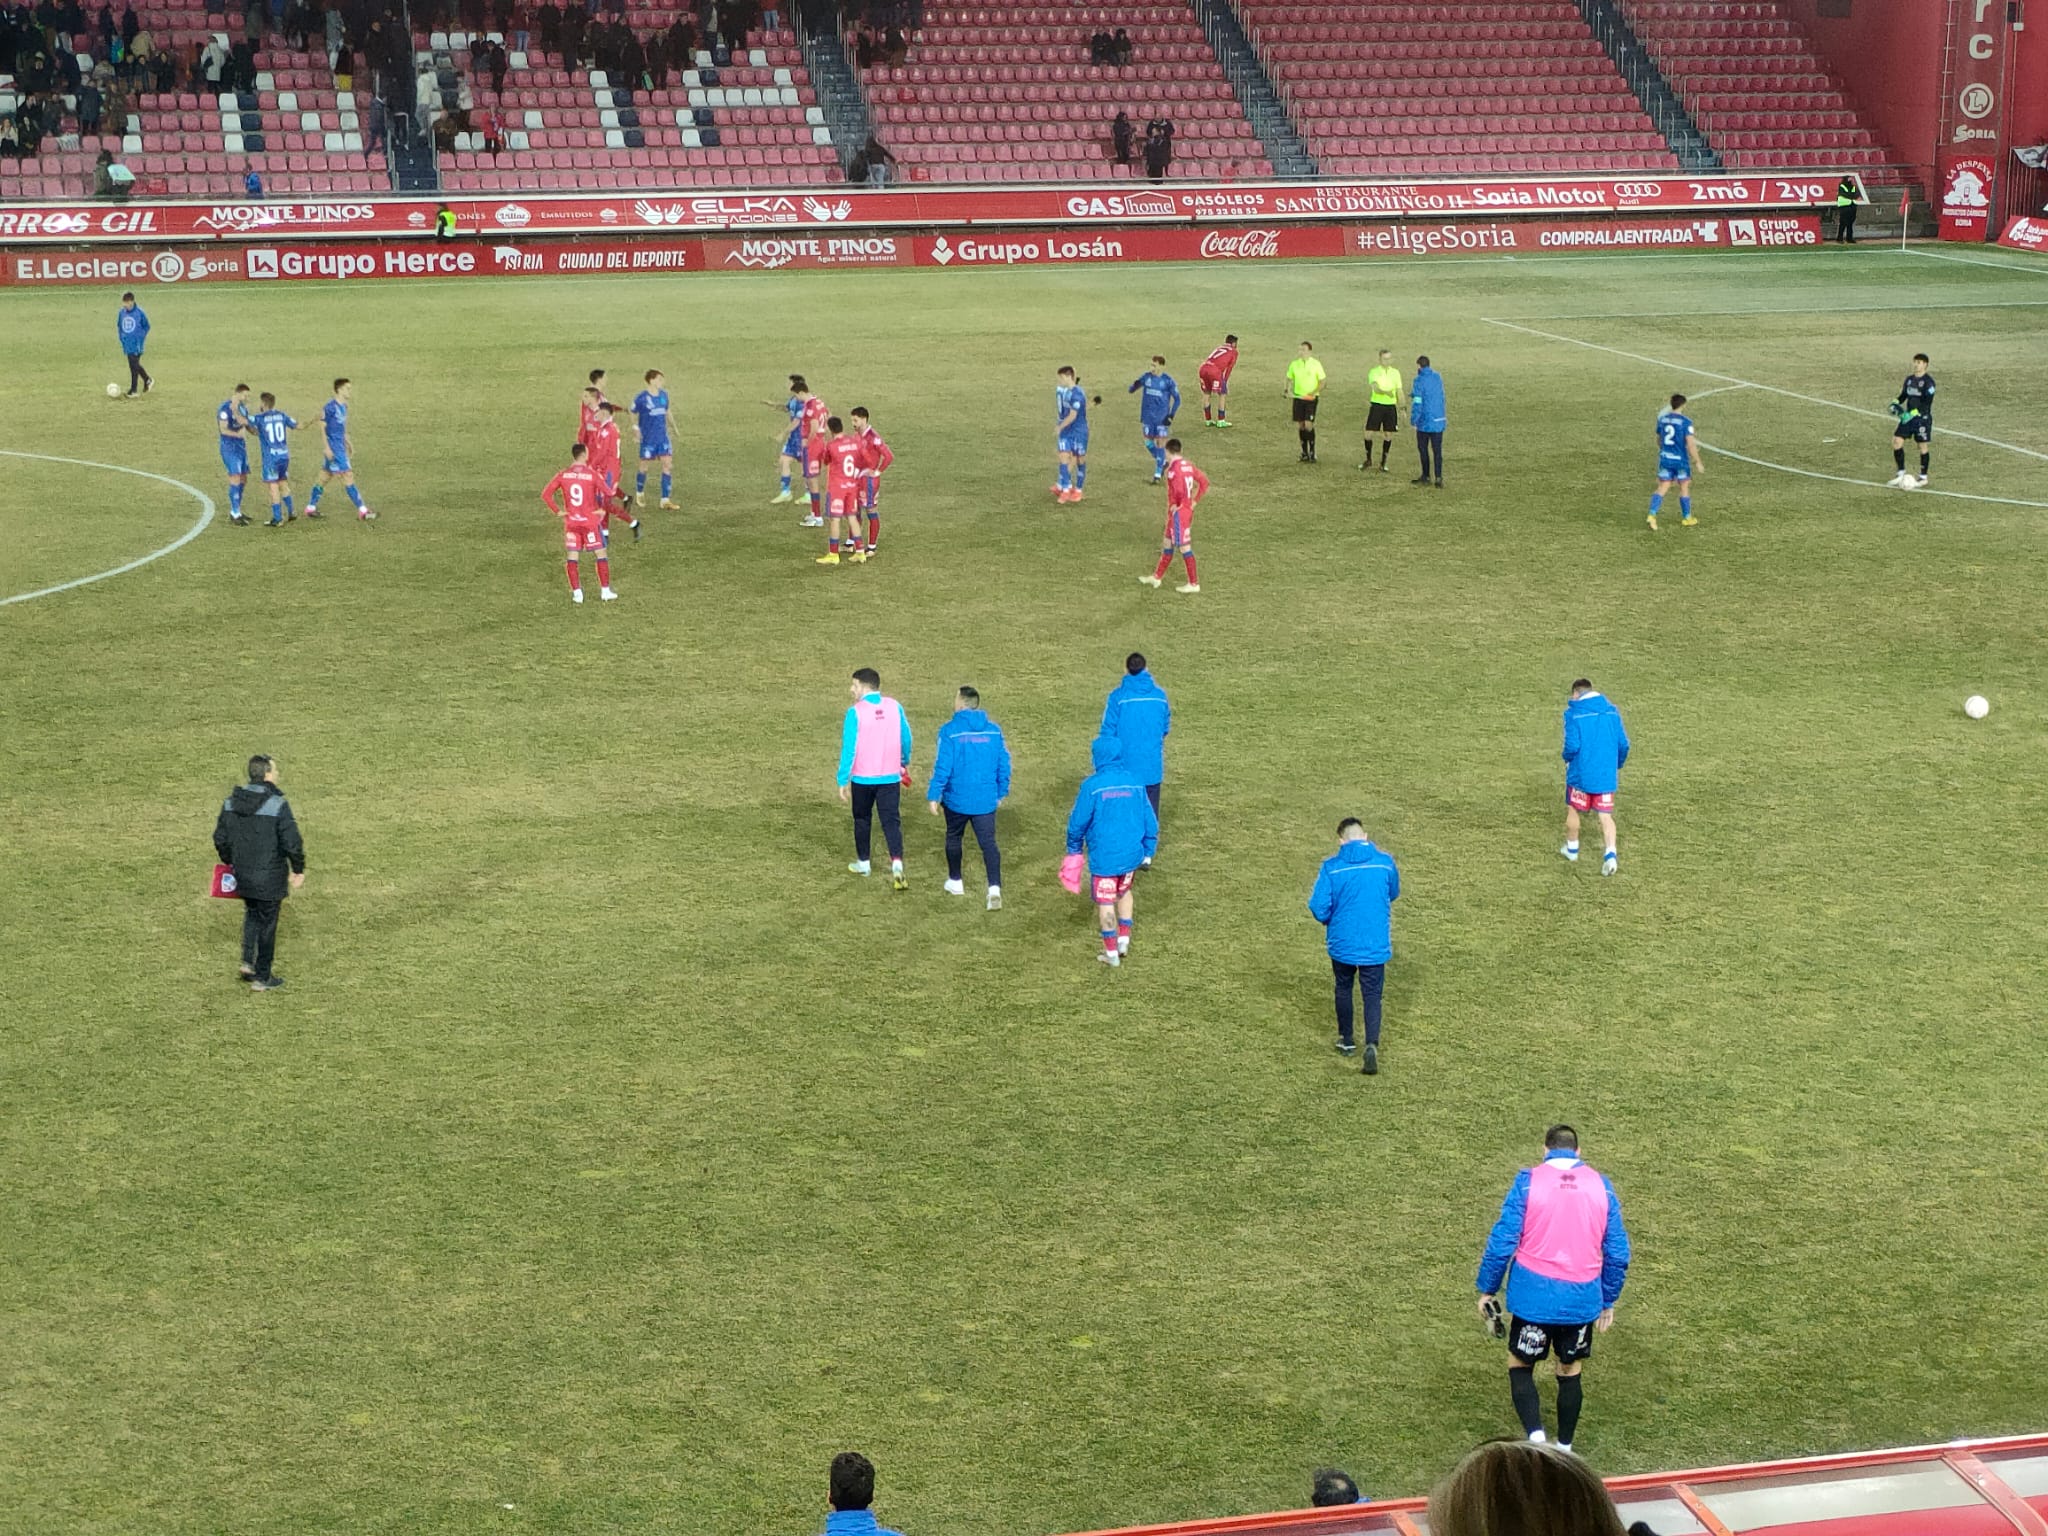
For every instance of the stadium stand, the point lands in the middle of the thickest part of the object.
(1393, 88)
(1756, 86)
(1008, 94)
(751, 120)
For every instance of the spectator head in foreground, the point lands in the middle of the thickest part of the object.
(1522, 1488)
(853, 1490)
(1330, 1487)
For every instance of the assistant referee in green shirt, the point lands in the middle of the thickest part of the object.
(1383, 413)
(1305, 388)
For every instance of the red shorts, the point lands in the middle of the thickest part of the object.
(1214, 384)
(814, 462)
(577, 537)
(1579, 800)
(1108, 888)
(848, 502)
(1186, 535)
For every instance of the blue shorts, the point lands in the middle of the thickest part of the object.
(234, 453)
(658, 448)
(275, 470)
(793, 445)
(1674, 469)
(1073, 442)
(1157, 428)
(335, 463)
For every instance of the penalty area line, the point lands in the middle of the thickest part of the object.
(206, 511)
(1875, 485)
(1729, 378)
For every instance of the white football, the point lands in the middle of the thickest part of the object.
(1976, 706)
(113, 391)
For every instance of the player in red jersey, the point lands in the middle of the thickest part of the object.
(592, 405)
(1185, 488)
(813, 428)
(1215, 378)
(846, 462)
(881, 458)
(579, 497)
(602, 441)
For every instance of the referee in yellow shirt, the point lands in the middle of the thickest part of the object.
(1383, 413)
(1305, 388)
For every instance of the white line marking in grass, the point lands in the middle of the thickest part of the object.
(1975, 261)
(205, 517)
(1876, 485)
(1719, 389)
(1818, 309)
(1729, 378)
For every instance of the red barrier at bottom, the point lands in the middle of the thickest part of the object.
(2026, 235)
(369, 260)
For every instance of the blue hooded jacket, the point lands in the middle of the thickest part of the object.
(1138, 715)
(1538, 1298)
(1595, 745)
(1112, 816)
(1426, 403)
(1354, 899)
(973, 770)
(132, 326)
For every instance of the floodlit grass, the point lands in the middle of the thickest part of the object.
(615, 1157)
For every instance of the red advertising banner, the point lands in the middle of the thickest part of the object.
(2025, 234)
(354, 261)
(1965, 208)
(945, 207)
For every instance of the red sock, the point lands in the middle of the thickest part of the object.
(815, 508)
(575, 574)
(604, 573)
(1109, 942)
(1205, 414)
(1165, 560)
(874, 528)
(1188, 561)
(1123, 927)
(833, 545)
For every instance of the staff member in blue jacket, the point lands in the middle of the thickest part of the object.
(970, 779)
(131, 325)
(1139, 716)
(1426, 416)
(1113, 820)
(1595, 747)
(1354, 901)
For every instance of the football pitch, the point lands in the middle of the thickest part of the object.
(613, 1157)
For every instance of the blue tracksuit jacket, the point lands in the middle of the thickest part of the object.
(1537, 1298)
(973, 770)
(132, 326)
(1162, 398)
(1138, 715)
(855, 1522)
(1426, 402)
(1595, 745)
(1111, 815)
(1354, 900)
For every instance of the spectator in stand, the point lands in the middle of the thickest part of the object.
(548, 22)
(865, 49)
(103, 174)
(655, 52)
(10, 137)
(501, 17)
(486, 123)
(253, 15)
(501, 64)
(1158, 148)
(131, 24)
(114, 123)
(1120, 140)
(1120, 49)
(252, 184)
(344, 68)
(106, 30)
(1099, 46)
(213, 63)
(895, 47)
(881, 164)
(1533, 1490)
(89, 104)
(373, 126)
(1331, 1488)
(682, 44)
(852, 1492)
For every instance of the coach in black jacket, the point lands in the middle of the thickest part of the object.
(257, 835)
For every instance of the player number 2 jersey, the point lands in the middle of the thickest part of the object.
(1674, 433)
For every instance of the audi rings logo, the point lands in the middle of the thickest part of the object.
(168, 267)
(1977, 101)
(1638, 190)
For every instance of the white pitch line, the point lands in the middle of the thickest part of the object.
(1875, 485)
(1729, 378)
(205, 517)
(1973, 261)
(1718, 389)
(1818, 309)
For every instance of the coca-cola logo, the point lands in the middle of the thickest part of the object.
(1245, 245)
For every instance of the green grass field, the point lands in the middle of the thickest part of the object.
(613, 1157)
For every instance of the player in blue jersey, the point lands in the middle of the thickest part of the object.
(1156, 411)
(232, 418)
(339, 462)
(792, 460)
(1070, 410)
(1678, 460)
(271, 426)
(1915, 411)
(653, 424)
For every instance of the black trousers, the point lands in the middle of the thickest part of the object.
(137, 374)
(1845, 223)
(1372, 982)
(259, 934)
(984, 824)
(1428, 443)
(888, 800)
